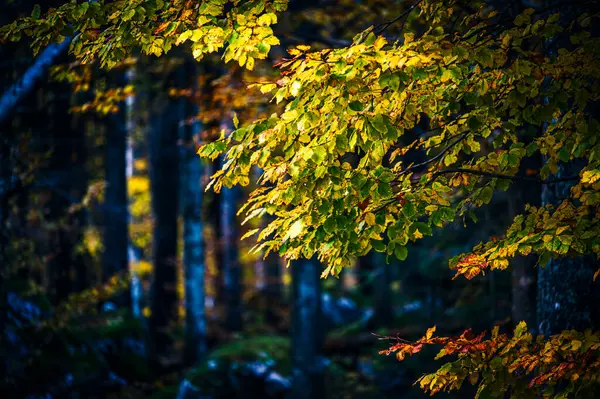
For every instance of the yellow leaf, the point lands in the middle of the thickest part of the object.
(379, 42)
(304, 138)
(327, 271)
(250, 233)
(267, 87)
(242, 59)
(183, 37)
(289, 115)
(250, 63)
(370, 219)
(430, 332)
(296, 229)
(295, 88)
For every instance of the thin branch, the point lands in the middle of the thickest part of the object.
(385, 25)
(435, 158)
(329, 41)
(506, 177)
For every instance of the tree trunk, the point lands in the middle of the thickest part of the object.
(230, 266)
(34, 73)
(274, 287)
(364, 272)
(116, 235)
(5, 186)
(307, 331)
(164, 178)
(68, 186)
(136, 289)
(383, 294)
(193, 245)
(212, 274)
(567, 297)
(524, 278)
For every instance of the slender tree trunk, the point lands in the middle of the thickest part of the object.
(164, 178)
(136, 290)
(382, 289)
(20, 89)
(268, 275)
(364, 272)
(5, 186)
(274, 286)
(261, 275)
(230, 266)
(307, 331)
(116, 235)
(67, 163)
(211, 217)
(193, 245)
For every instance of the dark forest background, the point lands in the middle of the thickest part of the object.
(123, 278)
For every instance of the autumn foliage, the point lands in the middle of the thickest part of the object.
(335, 173)
(524, 365)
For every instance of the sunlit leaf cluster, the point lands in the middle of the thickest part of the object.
(565, 365)
(108, 31)
(337, 169)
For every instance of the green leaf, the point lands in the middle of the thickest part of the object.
(378, 246)
(486, 194)
(473, 123)
(356, 106)
(319, 154)
(520, 329)
(378, 123)
(35, 13)
(401, 252)
(390, 80)
(80, 10)
(370, 39)
(128, 14)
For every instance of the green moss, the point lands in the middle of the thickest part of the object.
(255, 348)
(212, 374)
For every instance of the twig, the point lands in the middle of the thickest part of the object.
(438, 156)
(503, 176)
(385, 25)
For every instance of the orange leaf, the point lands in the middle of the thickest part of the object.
(430, 332)
(162, 27)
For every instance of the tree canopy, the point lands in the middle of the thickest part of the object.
(346, 167)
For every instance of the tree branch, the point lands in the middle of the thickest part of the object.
(385, 25)
(438, 156)
(503, 176)
(25, 84)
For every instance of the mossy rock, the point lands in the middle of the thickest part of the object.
(269, 347)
